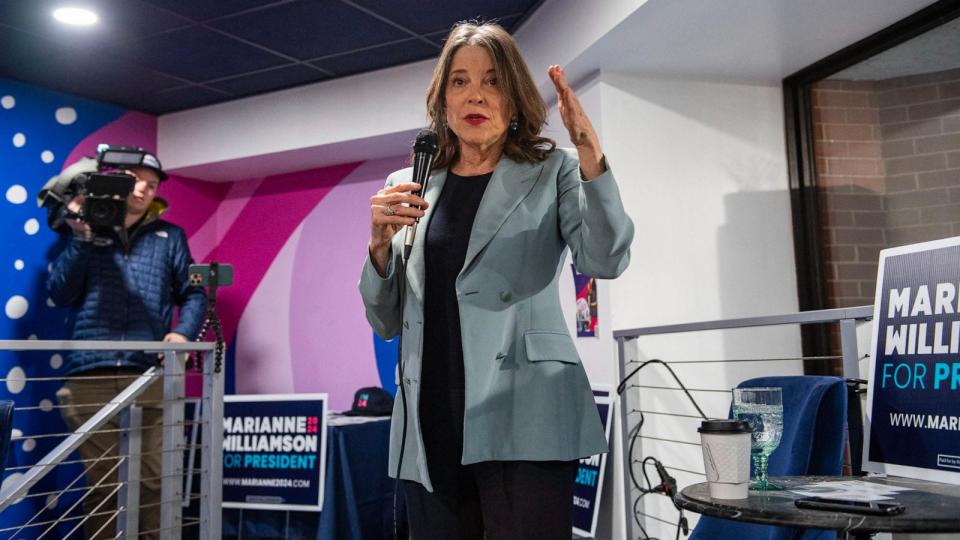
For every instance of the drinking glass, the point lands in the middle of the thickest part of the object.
(762, 408)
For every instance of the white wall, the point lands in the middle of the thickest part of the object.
(357, 110)
(702, 169)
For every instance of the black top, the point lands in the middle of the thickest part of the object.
(441, 377)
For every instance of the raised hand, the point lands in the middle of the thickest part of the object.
(578, 125)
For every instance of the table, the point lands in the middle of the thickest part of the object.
(358, 494)
(930, 507)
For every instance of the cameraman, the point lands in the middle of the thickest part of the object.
(123, 289)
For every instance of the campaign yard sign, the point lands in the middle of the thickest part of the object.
(274, 451)
(913, 399)
(589, 481)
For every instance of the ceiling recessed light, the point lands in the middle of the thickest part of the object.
(75, 16)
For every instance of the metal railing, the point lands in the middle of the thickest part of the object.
(629, 359)
(129, 449)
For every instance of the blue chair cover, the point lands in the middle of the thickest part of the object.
(814, 421)
(6, 427)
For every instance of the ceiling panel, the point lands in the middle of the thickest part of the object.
(425, 16)
(307, 30)
(120, 21)
(199, 54)
(180, 99)
(374, 58)
(60, 68)
(203, 10)
(160, 56)
(266, 81)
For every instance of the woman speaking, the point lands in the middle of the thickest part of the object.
(496, 408)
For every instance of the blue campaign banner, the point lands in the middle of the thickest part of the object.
(274, 451)
(589, 482)
(913, 399)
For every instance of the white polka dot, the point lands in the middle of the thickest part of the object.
(7, 102)
(46, 156)
(66, 115)
(45, 405)
(17, 194)
(16, 306)
(29, 445)
(19, 139)
(16, 433)
(16, 380)
(18, 264)
(56, 361)
(52, 501)
(9, 481)
(31, 226)
(50, 303)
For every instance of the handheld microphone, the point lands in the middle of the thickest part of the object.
(424, 150)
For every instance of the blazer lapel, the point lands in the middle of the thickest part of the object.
(509, 185)
(416, 271)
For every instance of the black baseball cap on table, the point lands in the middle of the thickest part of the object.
(371, 401)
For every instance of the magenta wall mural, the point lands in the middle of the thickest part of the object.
(293, 317)
(297, 242)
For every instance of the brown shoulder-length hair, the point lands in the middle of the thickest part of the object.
(515, 83)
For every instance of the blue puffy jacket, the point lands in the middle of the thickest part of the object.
(126, 292)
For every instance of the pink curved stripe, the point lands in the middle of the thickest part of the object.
(217, 222)
(274, 210)
(331, 345)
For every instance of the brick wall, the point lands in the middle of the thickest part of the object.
(888, 165)
(850, 174)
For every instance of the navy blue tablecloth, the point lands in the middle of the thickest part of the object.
(358, 494)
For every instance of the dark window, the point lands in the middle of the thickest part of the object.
(874, 143)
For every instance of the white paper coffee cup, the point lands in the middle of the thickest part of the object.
(726, 457)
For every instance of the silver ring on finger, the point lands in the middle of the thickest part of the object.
(388, 210)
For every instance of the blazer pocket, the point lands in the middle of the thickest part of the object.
(543, 345)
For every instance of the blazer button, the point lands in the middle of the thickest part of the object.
(505, 296)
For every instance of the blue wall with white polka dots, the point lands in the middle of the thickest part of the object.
(38, 130)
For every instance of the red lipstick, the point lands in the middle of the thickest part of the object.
(475, 119)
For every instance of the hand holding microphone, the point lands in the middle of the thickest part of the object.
(398, 206)
(424, 150)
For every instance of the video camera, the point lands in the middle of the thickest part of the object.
(103, 183)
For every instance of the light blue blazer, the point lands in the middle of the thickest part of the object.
(527, 395)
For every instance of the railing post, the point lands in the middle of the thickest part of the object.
(211, 462)
(625, 347)
(849, 349)
(128, 498)
(851, 370)
(171, 485)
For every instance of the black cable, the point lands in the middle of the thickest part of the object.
(636, 518)
(211, 322)
(623, 383)
(667, 485)
(402, 278)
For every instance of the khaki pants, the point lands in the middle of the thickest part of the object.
(78, 398)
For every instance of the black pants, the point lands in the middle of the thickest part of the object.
(495, 500)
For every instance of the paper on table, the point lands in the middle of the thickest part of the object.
(852, 490)
(336, 419)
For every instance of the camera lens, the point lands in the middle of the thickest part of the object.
(101, 212)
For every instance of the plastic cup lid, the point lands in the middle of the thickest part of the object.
(724, 426)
